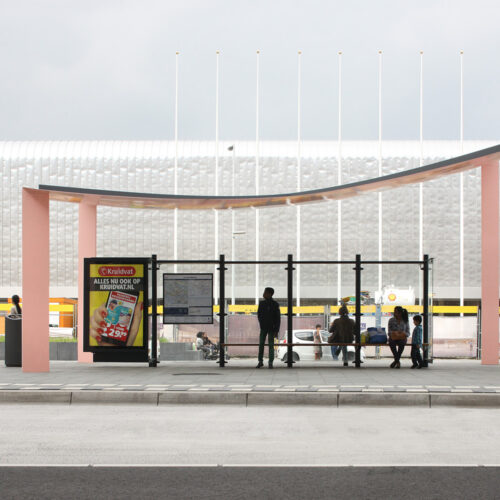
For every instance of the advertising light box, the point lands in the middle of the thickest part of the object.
(115, 304)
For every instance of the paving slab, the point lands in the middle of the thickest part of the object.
(450, 382)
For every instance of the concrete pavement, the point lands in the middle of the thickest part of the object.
(445, 382)
(232, 435)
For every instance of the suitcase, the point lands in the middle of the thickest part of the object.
(378, 338)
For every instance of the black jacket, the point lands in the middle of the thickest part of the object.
(269, 315)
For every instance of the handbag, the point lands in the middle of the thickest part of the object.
(398, 336)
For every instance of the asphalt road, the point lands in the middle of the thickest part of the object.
(249, 482)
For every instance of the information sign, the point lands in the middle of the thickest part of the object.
(188, 298)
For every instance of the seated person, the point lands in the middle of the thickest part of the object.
(200, 344)
(208, 343)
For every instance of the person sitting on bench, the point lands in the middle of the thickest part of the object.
(200, 345)
(342, 332)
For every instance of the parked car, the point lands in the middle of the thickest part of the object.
(306, 352)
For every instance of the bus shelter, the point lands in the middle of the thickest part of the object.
(35, 239)
(290, 264)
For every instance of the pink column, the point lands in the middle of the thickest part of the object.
(87, 244)
(490, 262)
(36, 276)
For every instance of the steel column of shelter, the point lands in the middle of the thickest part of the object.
(153, 360)
(425, 319)
(490, 265)
(87, 244)
(36, 276)
(289, 312)
(357, 314)
(222, 310)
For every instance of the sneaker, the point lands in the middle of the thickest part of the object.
(346, 363)
(393, 364)
(260, 365)
(270, 365)
(398, 365)
(414, 366)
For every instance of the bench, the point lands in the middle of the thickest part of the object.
(354, 344)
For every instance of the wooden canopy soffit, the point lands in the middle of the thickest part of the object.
(184, 202)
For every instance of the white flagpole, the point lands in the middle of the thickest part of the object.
(257, 179)
(461, 180)
(176, 140)
(339, 182)
(421, 185)
(216, 213)
(299, 90)
(380, 168)
(233, 227)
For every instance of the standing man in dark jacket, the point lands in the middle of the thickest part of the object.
(269, 320)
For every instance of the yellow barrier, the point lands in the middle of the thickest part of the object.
(52, 307)
(252, 309)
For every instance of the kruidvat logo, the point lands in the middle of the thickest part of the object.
(116, 271)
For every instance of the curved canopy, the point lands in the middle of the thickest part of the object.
(184, 202)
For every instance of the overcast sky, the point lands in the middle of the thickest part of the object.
(106, 69)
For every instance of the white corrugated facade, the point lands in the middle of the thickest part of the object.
(149, 167)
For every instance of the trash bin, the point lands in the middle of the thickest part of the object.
(13, 344)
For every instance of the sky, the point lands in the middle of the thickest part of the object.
(105, 69)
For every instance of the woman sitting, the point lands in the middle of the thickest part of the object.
(399, 331)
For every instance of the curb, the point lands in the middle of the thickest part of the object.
(241, 398)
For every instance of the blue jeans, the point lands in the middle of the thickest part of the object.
(344, 352)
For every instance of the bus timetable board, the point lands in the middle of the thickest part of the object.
(188, 298)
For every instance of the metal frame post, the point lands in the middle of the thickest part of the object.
(222, 311)
(289, 312)
(153, 360)
(426, 310)
(358, 270)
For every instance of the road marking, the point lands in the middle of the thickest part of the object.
(345, 465)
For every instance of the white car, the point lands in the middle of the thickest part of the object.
(306, 352)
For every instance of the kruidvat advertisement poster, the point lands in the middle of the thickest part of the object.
(115, 304)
